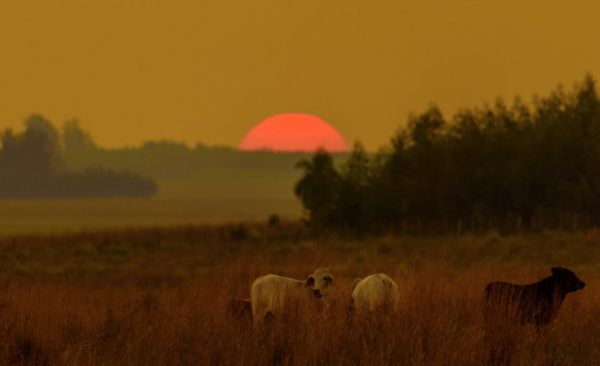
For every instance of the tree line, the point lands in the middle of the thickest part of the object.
(175, 160)
(32, 165)
(495, 165)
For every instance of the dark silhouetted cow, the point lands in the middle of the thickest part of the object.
(535, 303)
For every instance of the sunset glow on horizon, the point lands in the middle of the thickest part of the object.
(208, 71)
(291, 132)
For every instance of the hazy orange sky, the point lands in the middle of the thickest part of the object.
(207, 71)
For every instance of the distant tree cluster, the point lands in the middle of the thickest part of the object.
(175, 160)
(32, 166)
(487, 164)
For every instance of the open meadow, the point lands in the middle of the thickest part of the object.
(158, 296)
(19, 216)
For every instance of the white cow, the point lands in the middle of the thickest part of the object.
(374, 292)
(271, 293)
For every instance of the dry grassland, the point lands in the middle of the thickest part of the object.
(158, 297)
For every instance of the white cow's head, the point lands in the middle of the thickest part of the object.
(320, 282)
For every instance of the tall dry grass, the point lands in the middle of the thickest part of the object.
(150, 308)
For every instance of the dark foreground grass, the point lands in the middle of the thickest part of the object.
(159, 297)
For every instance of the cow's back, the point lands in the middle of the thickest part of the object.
(375, 291)
(525, 300)
(269, 293)
(511, 292)
(501, 290)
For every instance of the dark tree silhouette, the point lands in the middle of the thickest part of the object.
(318, 188)
(491, 164)
(75, 139)
(30, 153)
(31, 167)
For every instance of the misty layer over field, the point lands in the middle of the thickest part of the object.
(201, 171)
(45, 162)
(159, 296)
(68, 215)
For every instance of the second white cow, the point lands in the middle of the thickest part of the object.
(374, 292)
(272, 293)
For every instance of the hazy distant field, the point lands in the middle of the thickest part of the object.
(158, 296)
(232, 184)
(27, 216)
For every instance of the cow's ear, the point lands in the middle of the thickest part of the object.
(310, 281)
(556, 271)
(356, 282)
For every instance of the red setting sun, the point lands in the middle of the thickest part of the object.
(293, 132)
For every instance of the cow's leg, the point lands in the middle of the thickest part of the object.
(269, 319)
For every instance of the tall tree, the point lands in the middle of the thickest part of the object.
(355, 177)
(75, 139)
(318, 187)
(426, 162)
(28, 153)
(40, 124)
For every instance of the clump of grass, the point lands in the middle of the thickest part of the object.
(238, 232)
(274, 220)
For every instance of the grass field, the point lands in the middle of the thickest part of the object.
(232, 184)
(157, 296)
(60, 215)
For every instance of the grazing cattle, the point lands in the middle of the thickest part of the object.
(270, 294)
(240, 309)
(375, 292)
(535, 303)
